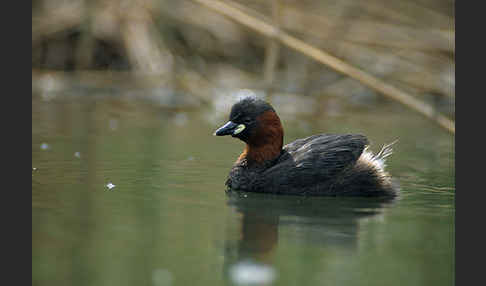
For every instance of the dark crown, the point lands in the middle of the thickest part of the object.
(250, 107)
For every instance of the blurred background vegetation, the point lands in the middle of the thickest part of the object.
(185, 53)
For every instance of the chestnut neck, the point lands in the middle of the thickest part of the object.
(265, 144)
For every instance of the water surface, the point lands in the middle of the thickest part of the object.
(125, 192)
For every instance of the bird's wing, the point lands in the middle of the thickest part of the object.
(315, 159)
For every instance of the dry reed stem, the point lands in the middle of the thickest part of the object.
(271, 50)
(331, 61)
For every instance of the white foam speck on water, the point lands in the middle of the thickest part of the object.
(162, 277)
(110, 185)
(44, 146)
(113, 124)
(249, 273)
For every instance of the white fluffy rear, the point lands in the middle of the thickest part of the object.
(377, 161)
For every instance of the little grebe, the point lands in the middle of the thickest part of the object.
(324, 164)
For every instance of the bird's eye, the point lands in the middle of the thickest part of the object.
(247, 120)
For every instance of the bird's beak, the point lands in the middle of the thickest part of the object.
(230, 128)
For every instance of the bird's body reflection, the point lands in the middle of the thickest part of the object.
(320, 221)
(259, 236)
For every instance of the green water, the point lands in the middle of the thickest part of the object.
(167, 220)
